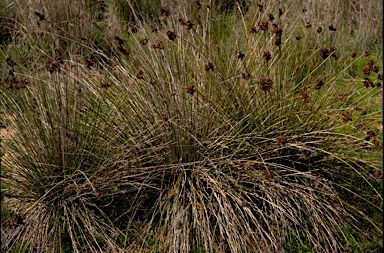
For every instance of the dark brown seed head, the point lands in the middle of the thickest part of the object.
(367, 70)
(154, 29)
(123, 50)
(319, 30)
(271, 17)
(308, 25)
(181, 21)
(367, 82)
(190, 89)
(140, 74)
(332, 28)
(318, 84)
(209, 66)
(171, 35)
(263, 26)
(40, 16)
(239, 55)
(281, 139)
(246, 75)
(304, 9)
(304, 97)
(253, 29)
(368, 52)
(260, 7)
(298, 37)
(144, 41)
(164, 118)
(375, 69)
(266, 84)
(353, 55)
(105, 85)
(280, 12)
(371, 62)
(276, 30)
(267, 55)
(164, 11)
(189, 25)
(198, 4)
(10, 62)
(347, 117)
(380, 77)
(119, 40)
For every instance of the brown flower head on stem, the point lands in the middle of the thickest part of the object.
(367, 70)
(267, 55)
(164, 11)
(190, 89)
(40, 16)
(280, 12)
(10, 62)
(271, 17)
(370, 134)
(371, 62)
(105, 85)
(347, 117)
(266, 84)
(353, 55)
(281, 139)
(154, 29)
(278, 41)
(367, 53)
(198, 4)
(304, 97)
(380, 77)
(263, 26)
(375, 69)
(140, 74)
(276, 30)
(189, 25)
(367, 82)
(164, 118)
(159, 45)
(319, 30)
(239, 55)
(308, 25)
(298, 37)
(123, 50)
(304, 9)
(53, 65)
(332, 28)
(144, 41)
(260, 7)
(246, 75)
(318, 84)
(171, 35)
(378, 84)
(253, 29)
(209, 66)
(181, 21)
(119, 40)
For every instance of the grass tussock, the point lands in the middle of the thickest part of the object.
(228, 127)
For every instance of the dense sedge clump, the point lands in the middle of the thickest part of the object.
(169, 138)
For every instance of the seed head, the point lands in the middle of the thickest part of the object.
(263, 26)
(304, 97)
(347, 117)
(239, 55)
(318, 84)
(119, 40)
(308, 25)
(298, 37)
(105, 85)
(266, 84)
(253, 29)
(198, 4)
(171, 35)
(353, 55)
(140, 74)
(144, 41)
(209, 66)
(164, 118)
(332, 28)
(260, 7)
(281, 139)
(267, 55)
(271, 17)
(154, 29)
(319, 30)
(164, 11)
(246, 75)
(190, 89)
(367, 82)
(380, 77)
(367, 53)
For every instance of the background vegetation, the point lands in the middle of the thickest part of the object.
(191, 126)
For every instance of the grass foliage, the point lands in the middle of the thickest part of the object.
(234, 127)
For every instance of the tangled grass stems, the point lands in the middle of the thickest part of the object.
(190, 139)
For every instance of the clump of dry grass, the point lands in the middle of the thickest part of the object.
(178, 137)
